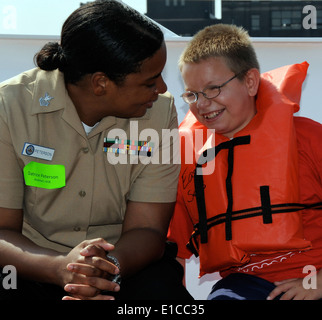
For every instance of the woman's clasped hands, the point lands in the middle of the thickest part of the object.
(87, 272)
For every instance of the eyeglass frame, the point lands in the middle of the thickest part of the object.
(196, 94)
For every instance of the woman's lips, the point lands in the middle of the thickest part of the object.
(150, 103)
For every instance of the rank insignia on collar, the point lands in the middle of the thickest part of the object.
(45, 101)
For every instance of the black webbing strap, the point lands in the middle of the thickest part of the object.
(258, 211)
(201, 204)
(229, 191)
(249, 213)
(192, 245)
(209, 155)
(266, 205)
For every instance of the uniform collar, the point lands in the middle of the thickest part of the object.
(49, 92)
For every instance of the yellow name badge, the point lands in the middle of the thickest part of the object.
(46, 176)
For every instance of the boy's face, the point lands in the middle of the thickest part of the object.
(234, 107)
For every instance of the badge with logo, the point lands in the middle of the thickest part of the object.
(39, 152)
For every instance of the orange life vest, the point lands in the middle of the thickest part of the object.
(249, 204)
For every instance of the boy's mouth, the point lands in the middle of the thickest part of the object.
(213, 115)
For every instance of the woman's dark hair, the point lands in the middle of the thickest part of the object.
(102, 36)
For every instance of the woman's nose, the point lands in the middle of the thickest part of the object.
(161, 86)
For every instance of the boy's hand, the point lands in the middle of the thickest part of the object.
(293, 289)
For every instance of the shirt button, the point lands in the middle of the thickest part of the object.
(85, 150)
(77, 229)
(82, 193)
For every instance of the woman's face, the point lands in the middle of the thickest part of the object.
(233, 108)
(139, 90)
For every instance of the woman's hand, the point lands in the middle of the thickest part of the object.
(87, 271)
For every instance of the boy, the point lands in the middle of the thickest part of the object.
(244, 219)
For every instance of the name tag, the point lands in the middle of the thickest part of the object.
(46, 176)
(39, 152)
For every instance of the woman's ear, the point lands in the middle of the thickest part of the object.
(252, 80)
(99, 83)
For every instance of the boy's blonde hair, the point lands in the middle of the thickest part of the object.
(222, 40)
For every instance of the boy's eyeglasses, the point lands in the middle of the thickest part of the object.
(209, 93)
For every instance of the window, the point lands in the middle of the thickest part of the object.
(319, 19)
(255, 22)
(262, 18)
(286, 19)
(175, 3)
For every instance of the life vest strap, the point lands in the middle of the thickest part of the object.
(248, 213)
(266, 205)
(209, 155)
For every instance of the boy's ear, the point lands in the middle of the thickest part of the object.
(252, 80)
(99, 83)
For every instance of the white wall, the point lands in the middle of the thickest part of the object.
(16, 55)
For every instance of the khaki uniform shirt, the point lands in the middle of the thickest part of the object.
(43, 144)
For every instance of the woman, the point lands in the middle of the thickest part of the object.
(69, 217)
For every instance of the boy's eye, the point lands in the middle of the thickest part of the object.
(151, 85)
